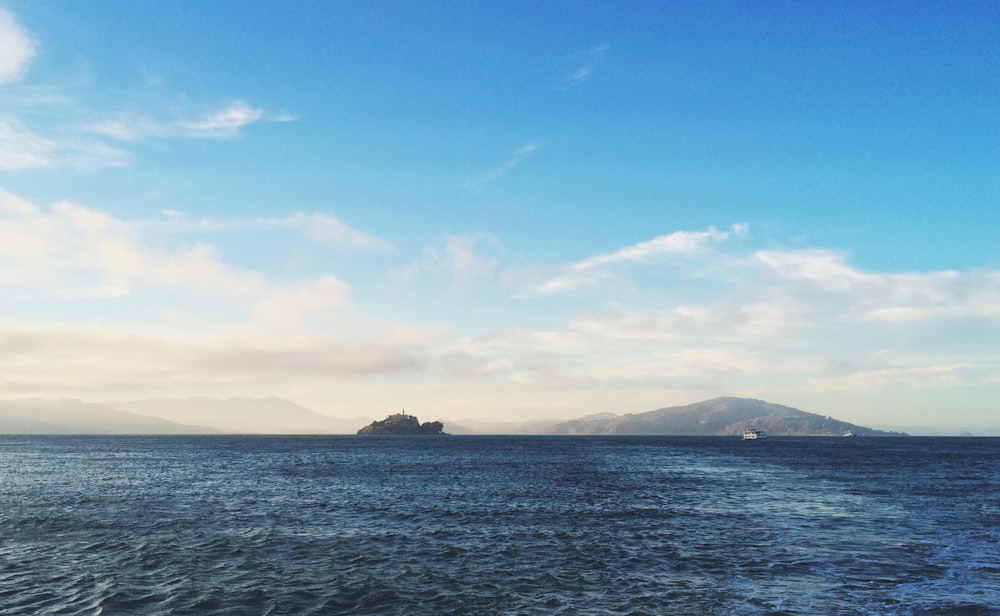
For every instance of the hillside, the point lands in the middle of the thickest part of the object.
(478, 426)
(720, 416)
(243, 415)
(66, 416)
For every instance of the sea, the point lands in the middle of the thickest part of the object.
(499, 525)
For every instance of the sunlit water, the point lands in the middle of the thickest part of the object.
(499, 525)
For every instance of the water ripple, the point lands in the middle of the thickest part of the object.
(212, 525)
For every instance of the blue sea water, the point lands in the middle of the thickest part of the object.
(499, 525)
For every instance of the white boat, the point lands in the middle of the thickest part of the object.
(753, 434)
(849, 434)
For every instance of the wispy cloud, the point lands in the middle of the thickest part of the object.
(327, 228)
(284, 117)
(22, 149)
(516, 159)
(460, 257)
(223, 123)
(75, 143)
(679, 243)
(317, 226)
(466, 256)
(16, 48)
(590, 58)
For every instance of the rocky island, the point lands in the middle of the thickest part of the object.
(402, 424)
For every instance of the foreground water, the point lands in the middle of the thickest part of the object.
(499, 525)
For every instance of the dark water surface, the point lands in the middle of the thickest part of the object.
(499, 525)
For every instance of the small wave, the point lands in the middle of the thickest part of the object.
(491, 526)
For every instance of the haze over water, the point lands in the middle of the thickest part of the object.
(499, 525)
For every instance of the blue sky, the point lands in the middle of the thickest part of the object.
(505, 210)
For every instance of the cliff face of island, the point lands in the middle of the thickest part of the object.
(402, 424)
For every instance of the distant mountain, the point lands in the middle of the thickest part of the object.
(720, 416)
(476, 426)
(454, 428)
(277, 416)
(66, 416)
(243, 415)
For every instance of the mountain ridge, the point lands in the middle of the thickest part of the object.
(202, 415)
(72, 416)
(718, 417)
(270, 415)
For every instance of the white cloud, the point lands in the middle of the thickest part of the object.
(737, 321)
(291, 306)
(224, 123)
(516, 159)
(318, 227)
(679, 243)
(21, 149)
(284, 117)
(821, 281)
(915, 377)
(327, 228)
(60, 359)
(67, 143)
(581, 73)
(71, 250)
(188, 318)
(16, 48)
(463, 258)
(399, 335)
(757, 323)
(591, 58)
(460, 257)
(12, 205)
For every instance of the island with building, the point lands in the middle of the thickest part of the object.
(401, 424)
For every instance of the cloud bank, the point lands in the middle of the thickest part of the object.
(185, 317)
(680, 316)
